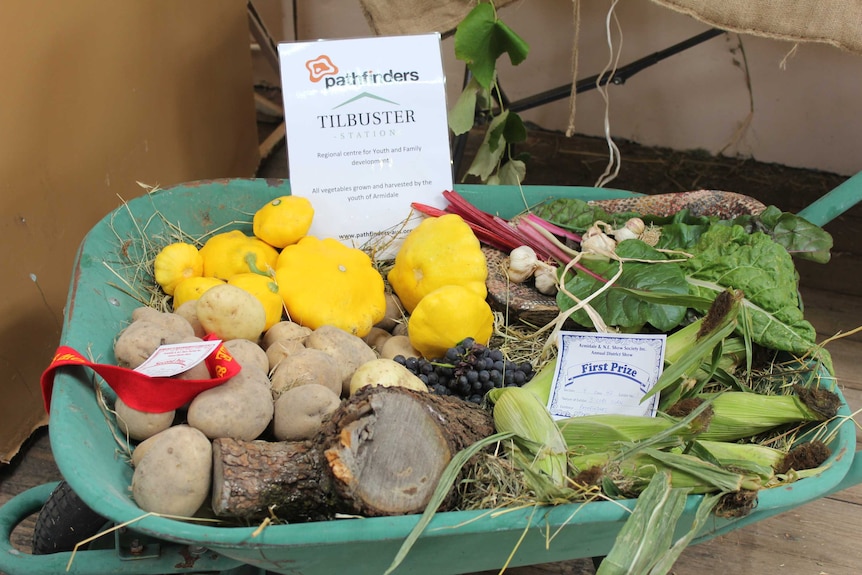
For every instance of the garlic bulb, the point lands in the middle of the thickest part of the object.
(633, 230)
(597, 242)
(545, 277)
(521, 264)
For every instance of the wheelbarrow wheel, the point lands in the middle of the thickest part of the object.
(63, 522)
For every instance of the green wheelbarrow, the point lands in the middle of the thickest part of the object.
(85, 446)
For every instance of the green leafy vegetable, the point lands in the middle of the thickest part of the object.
(619, 307)
(728, 257)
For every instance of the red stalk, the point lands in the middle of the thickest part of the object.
(495, 231)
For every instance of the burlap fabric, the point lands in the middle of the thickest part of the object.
(398, 17)
(835, 22)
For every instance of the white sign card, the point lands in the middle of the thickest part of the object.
(601, 373)
(367, 133)
(174, 358)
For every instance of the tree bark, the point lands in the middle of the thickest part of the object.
(381, 453)
(257, 479)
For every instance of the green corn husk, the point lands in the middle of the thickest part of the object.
(738, 414)
(645, 546)
(753, 458)
(518, 411)
(604, 432)
(596, 433)
(541, 382)
(688, 348)
(628, 476)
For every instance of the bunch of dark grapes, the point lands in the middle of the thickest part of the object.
(469, 371)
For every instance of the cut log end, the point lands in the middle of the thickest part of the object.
(388, 447)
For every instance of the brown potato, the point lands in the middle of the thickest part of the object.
(348, 350)
(240, 408)
(300, 411)
(304, 367)
(281, 349)
(398, 345)
(230, 312)
(173, 474)
(247, 352)
(285, 330)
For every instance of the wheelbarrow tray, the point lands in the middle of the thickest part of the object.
(86, 453)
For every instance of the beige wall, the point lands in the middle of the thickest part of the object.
(95, 96)
(806, 115)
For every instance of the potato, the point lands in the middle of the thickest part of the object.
(348, 350)
(387, 373)
(376, 338)
(400, 329)
(285, 330)
(189, 312)
(398, 345)
(136, 342)
(174, 474)
(230, 312)
(240, 408)
(394, 313)
(300, 411)
(281, 349)
(140, 425)
(247, 352)
(305, 367)
(169, 321)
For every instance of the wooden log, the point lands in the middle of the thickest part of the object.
(257, 479)
(382, 452)
(387, 448)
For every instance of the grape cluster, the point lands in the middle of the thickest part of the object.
(469, 371)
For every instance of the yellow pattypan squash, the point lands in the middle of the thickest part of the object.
(324, 282)
(230, 253)
(283, 221)
(445, 317)
(193, 288)
(265, 290)
(438, 252)
(176, 262)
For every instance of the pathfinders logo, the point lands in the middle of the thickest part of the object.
(320, 67)
(323, 69)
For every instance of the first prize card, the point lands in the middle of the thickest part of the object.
(600, 373)
(367, 133)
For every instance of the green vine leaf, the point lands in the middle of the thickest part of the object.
(511, 173)
(481, 38)
(490, 151)
(463, 113)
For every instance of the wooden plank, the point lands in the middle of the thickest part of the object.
(817, 538)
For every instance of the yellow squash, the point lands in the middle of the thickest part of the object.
(438, 252)
(324, 282)
(193, 288)
(230, 253)
(445, 317)
(176, 262)
(283, 221)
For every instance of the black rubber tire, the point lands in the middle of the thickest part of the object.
(64, 521)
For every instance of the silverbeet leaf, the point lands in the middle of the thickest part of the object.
(618, 305)
(729, 257)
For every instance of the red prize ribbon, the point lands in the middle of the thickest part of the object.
(142, 392)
